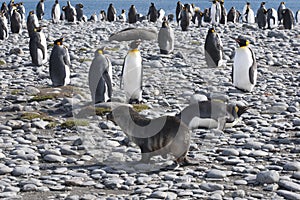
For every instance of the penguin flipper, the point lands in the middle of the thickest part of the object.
(107, 79)
(121, 77)
(253, 68)
(67, 57)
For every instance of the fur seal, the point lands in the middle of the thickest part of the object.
(160, 136)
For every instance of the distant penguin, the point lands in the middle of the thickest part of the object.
(198, 18)
(272, 18)
(248, 14)
(223, 19)
(215, 13)
(261, 16)
(55, 12)
(122, 17)
(179, 8)
(100, 78)
(93, 18)
(288, 19)
(152, 13)
(32, 23)
(102, 16)
(166, 38)
(79, 11)
(244, 67)
(161, 15)
(170, 17)
(111, 13)
(206, 16)
(70, 12)
(4, 32)
(233, 15)
(298, 16)
(59, 64)
(40, 10)
(16, 22)
(213, 49)
(185, 18)
(212, 113)
(38, 47)
(132, 74)
(132, 15)
(22, 11)
(281, 7)
(5, 11)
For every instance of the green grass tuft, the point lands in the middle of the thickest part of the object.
(81, 60)
(140, 107)
(2, 62)
(35, 115)
(43, 97)
(15, 92)
(70, 124)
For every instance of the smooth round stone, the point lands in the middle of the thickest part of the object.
(296, 175)
(292, 166)
(288, 194)
(210, 187)
(159, 195)
(230, 152)
(29, 188)
(185, 193)
(289, 185)
(215, 173)
(267, 177)
(238, 193)
(240, 182)
(259, 153)
(253, 145)
(21, 170)
(5, 169)
(54, 158)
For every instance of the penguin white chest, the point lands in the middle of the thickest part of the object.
(242, 62)
(132, 75)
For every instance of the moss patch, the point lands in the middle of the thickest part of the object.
(194, 42)
(15, 92)
(112, 49)
(35, 115)
(140, 107)
(90, 111)
(81, 60)
(51, 93)
(70, 124)
(2, 62)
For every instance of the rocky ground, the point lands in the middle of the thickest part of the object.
(49, 149)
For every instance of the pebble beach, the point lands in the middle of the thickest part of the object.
(53, 146)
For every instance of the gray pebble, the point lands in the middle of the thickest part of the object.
(267, 177)
(289, 185)
(289, 195)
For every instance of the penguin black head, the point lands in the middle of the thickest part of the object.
(282, 2)
(80, 5)
(42, 1)
(165, 24)
(123, 11)
(37, 29)
(63, 8)
(242, 42)
(263, 3)
(59, 41)
(100, 51)
(31, 12)
(248, 3)
(135, 44)
(239, 109)
(56, 1)
(211, 30)
(152, 4)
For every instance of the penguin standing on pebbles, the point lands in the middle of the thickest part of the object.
(40, 10)
(215, 12)
(298, 16)
(248, 14)
(32, 23)
(272, 18)
(223, 19)
(179, 8)
(16, 22)
(100, 78)
(281, 7)
(261, 16)
(233, 15)
(132, 74)
(185, 18)
(122, 17)
(244, 67)
(3, 27)
(79, 11)
(55, 12)
(38, 47)
(59, 64)
(288, 19)
(166, 38)
(132, 15)
(213, 49)
(111, 13)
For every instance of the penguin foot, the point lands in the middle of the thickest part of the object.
(187, 162)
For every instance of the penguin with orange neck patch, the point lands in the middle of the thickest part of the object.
(59, 64)
(100, 77)
(132, 74)
(244, 67)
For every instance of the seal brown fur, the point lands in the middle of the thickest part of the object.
(159, 136)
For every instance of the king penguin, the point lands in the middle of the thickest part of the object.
(16, 22)
(288, 19)
(272, 18)
(132, 74)
(166, 38)
(40, 10)
(261, 16)
(132, 15)
(298, 16)
(111, 13)
(122, 17)
(152, 13)
(5, 11)
(281, 7)
(244, 67)
(79, 12)
(22, 11)
(70, 12)
(55, 12)
(185, 18)
(38, 47)
(215, 13)
(213, 113)
(59, 64)
(179, 8)
(213, 49)
(233, 15)
(32, 23)
(248, 14)
(223, 19)
(100, 78)
(3, 27)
